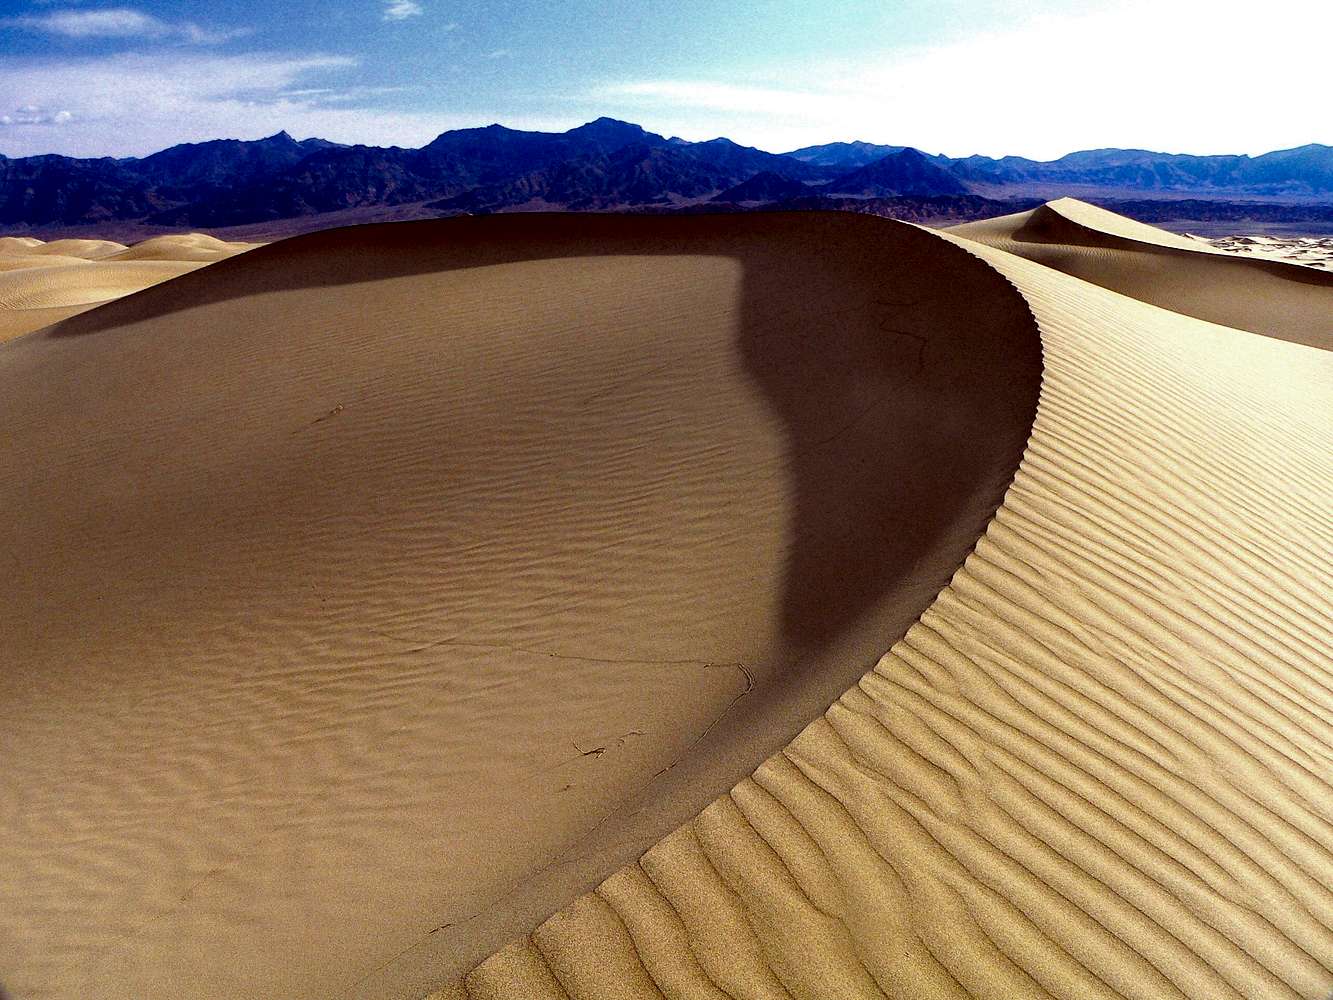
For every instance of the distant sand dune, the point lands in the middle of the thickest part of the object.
(18, 244)
(16, 262)
(43, 283)
(192, 246)
(388, 576)
(1272, 297)
(72, 286)
(1310, 251)
(87, 249)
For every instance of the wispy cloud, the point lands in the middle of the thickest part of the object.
(401, 10)
(32, 115)
(131, 104)
(496, 54)
(117, 22)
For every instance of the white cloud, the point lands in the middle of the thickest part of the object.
(495, 54)
(133, 104)
(117, 22)
(32, 115)
(1174, 75)
(401, 10)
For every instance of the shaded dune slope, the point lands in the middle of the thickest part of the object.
(1271, 297)
(1098, 766)
(385, 577)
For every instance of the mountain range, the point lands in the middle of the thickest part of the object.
(603, 165)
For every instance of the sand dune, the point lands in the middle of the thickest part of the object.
(18, 244)
(34, 288)
(1098, 766)
(42, 283)
(18, 262)
(191, 246)
(1273, 297)
(87, 249)
(362, 578)
(379, 593)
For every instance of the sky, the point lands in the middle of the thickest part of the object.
(1035, 78)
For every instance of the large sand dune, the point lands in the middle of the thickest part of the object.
(362, 580)
(378, 594)
(1273, 297)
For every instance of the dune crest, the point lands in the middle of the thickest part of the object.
(401, 575)
(187, 247)
(1276, 298)
(1098, 766)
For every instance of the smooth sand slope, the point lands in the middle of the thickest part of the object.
(373, 594)
(42, 283)
(1099, 765)
(1272, 297)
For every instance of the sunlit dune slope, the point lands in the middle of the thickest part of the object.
(1271, 297)
(33, 288)
(87, 249)
(1099, 766)
(191, 246)
(18, 244)
(398, 583)
(42, 283)
(21, 261)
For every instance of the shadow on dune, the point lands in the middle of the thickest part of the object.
(907, 394)
(905, 373)
(902, 371)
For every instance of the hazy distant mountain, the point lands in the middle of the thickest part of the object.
(906, 172)
(744, 161)
(1303, 172)
(765, 186)
(39, 190)
(844, 155)
(222, 162)
(605, 164)
(635, 175)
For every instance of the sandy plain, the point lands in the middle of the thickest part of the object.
(443, 607)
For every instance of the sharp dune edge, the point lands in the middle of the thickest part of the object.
(1097, 765)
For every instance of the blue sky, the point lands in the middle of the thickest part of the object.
(1030, 77)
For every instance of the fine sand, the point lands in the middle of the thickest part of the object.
(41, 283)
(377, 594)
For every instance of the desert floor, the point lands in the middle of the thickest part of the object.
(749, 606)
